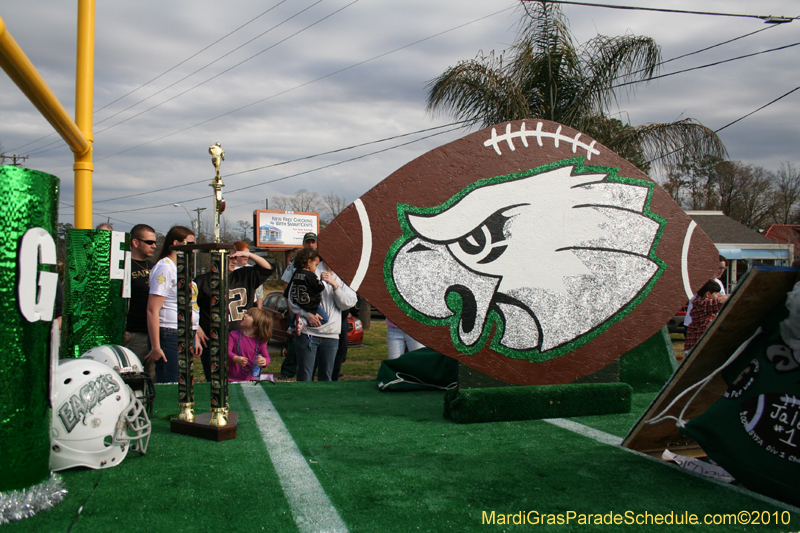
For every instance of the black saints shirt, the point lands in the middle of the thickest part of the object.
(140, 292)
(242, 285)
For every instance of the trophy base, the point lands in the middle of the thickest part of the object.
(187, 413)
(202, 428)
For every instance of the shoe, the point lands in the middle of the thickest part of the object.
(300, 325)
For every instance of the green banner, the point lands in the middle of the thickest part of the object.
(94, 309)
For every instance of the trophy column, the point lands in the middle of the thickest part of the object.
(218, 337)
(185, 338)
(220, 424)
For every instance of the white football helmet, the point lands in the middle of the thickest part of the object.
(125, 363)
(96, 418)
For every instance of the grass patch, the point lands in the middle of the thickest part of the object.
(273, 285)
(362, 362)
(677, 345)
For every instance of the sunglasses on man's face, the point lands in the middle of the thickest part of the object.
(151, 243)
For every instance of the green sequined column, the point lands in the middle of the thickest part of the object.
(94, 309)
(28, 199)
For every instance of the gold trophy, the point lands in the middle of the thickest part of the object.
(220, 423)
(217, 157)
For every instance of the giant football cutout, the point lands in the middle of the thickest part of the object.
(527, 251)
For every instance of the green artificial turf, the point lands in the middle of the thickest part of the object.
(392, 462)
(495, 404)
(389, 463)
(182, 484)
(649, 366)
(619, 424)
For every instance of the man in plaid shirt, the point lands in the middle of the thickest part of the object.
(706, 306)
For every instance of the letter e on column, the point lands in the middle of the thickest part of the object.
(117, 256)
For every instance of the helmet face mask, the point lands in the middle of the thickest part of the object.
(136, 429)
(143, 389)
(125, 363)
(96, 418)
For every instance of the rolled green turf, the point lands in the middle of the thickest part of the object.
(498, 404)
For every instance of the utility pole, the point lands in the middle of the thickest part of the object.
(13, 159)
(198, 210)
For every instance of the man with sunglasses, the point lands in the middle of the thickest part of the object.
(143, 246)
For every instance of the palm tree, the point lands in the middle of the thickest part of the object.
(547, 75)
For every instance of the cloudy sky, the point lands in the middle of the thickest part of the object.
(279, 81)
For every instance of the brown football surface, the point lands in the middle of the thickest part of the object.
(437, 176)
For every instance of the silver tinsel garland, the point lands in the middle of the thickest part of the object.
(19, 504)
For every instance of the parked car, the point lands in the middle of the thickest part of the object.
(277, 306)
(675, 325)
(355, 331)
(375, 314)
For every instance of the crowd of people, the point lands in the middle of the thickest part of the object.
(318, 302)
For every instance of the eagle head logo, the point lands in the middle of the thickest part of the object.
(549, 258)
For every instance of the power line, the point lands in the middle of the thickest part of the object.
(304, 158)
(216, 60)
(307, 83)
(300, 86)
(417, 42)
(289, 176)
(715, 63)
(766, 18)
(707, 48)
(399, 146)
(413, 133)
(674, 58)
(170, 69)
(197, 54)
(650, 161)
(662, 156)
(406, 46)
(344, 161)
(392, 148)
(757, 110)
(40, 150)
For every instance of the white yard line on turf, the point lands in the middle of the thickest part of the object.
(586, 431)
(612, 440)
(312, 510)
